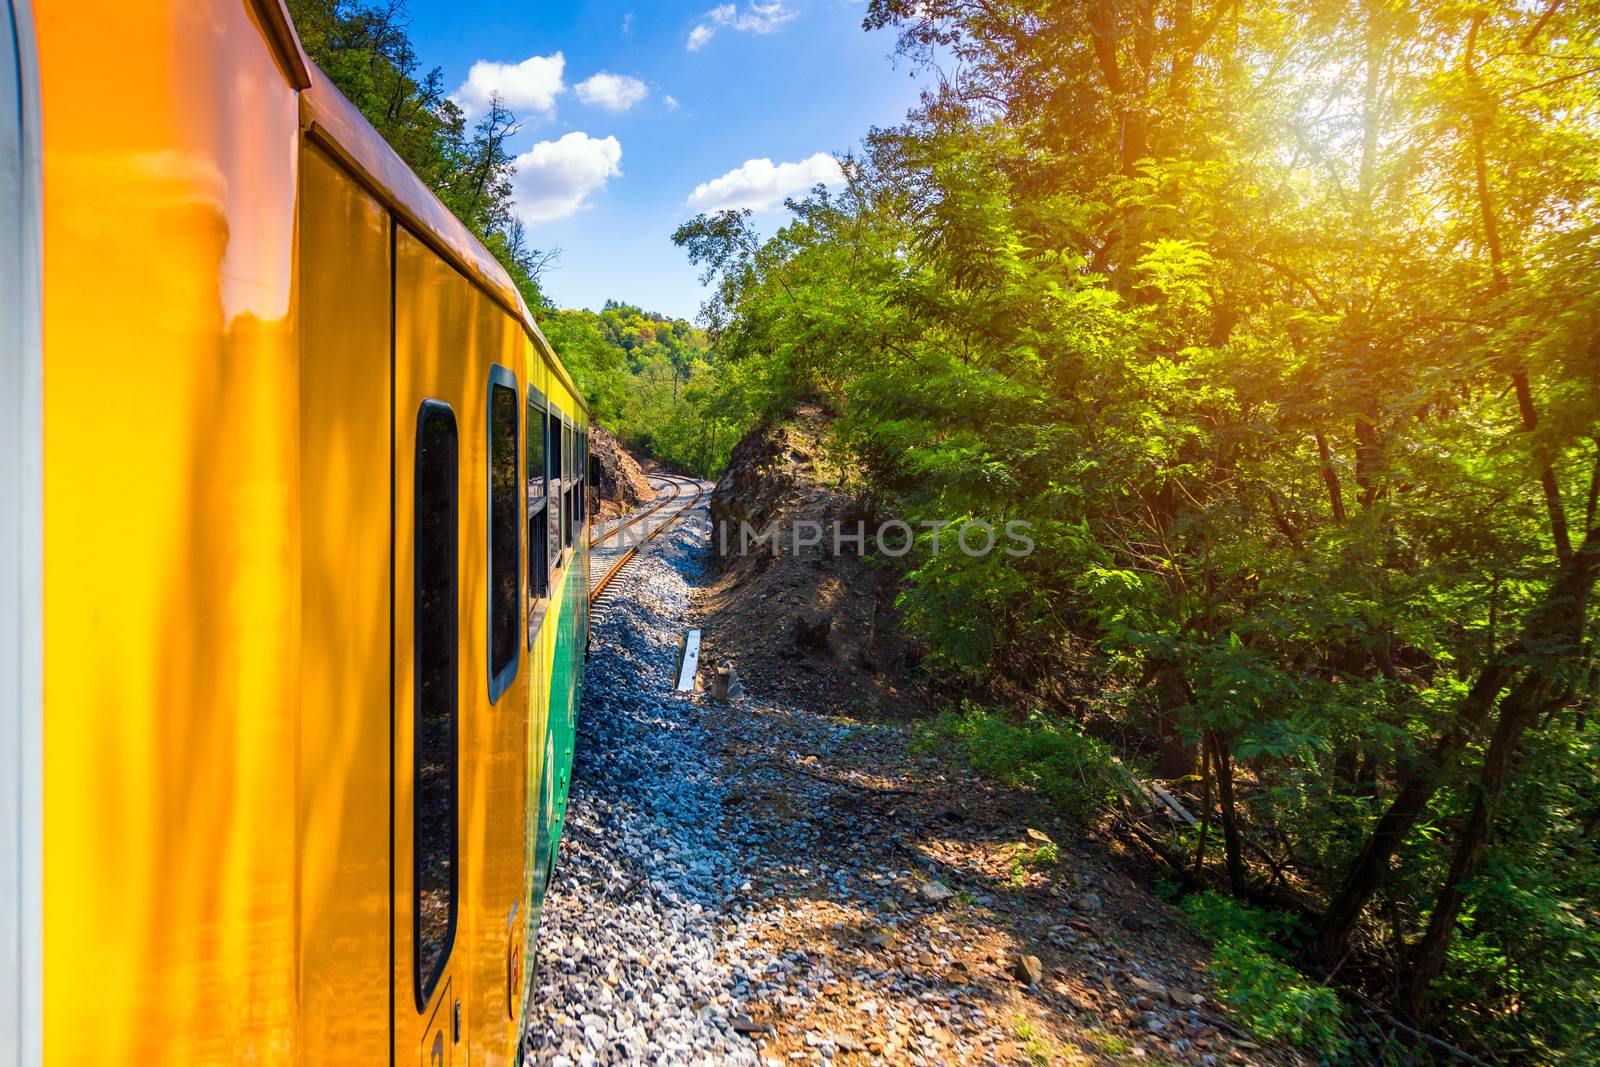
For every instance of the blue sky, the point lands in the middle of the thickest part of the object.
(635, 116)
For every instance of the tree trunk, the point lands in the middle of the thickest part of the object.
(1551, 634)
(1176, 758)
(1491, 233)
(1520, 709)
(1330, 477)
(1205, 817)
(1232, 848)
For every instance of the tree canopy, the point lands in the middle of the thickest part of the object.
(655, 381)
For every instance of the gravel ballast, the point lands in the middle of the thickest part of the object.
(628, 947)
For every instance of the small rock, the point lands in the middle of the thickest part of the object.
(935, 892)
(1088, 903)
(1149, 988)
(1027, 970)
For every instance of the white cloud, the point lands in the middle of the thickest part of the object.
(614, 92)
(529, 86)
(700, 36)
(671, 102)
(755, 18)
(554, 179)
(760, 184)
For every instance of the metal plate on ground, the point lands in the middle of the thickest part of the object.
(688, 661)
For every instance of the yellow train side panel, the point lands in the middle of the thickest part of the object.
(171, 592)
(344, 786)
(427, 354)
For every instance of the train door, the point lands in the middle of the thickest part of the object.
(342, 785)
(436, 410)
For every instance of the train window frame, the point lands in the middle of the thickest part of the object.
(537, 420)
(500, 679)
(425, 984)
(583, 476)
(555, 489)
(572, 483)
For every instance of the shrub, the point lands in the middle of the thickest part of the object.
(1273, 999)
(1077, 773)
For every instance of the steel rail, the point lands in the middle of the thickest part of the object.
(660, 501)
(627, 557)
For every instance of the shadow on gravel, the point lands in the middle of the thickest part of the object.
(854, 833)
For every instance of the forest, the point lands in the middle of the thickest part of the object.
(1280, 322)
(655, 381)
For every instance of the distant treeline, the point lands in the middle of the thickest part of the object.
(655, 381)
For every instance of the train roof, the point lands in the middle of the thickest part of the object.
(338, 126)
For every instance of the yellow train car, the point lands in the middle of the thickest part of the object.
(294, 567)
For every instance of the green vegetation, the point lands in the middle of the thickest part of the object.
(1248, 965)
(1035, 1048)
(1077, 773)
(1281, 326)
(1045, 855)
(655, 382)
(1108, 1043)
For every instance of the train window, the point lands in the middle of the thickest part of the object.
(505, 526)
(572, 485)
(583, 476)
(538, 525)
(578, 477)
(435, 874)
(553, 465)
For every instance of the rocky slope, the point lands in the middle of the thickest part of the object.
(805, 621)
(620, 485)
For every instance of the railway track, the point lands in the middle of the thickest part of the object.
(610, 551)
(661, 500)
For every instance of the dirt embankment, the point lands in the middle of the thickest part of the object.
(620, 485)
(800, 610)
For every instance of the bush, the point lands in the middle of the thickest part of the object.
(1077, 773)
(1273, 999)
